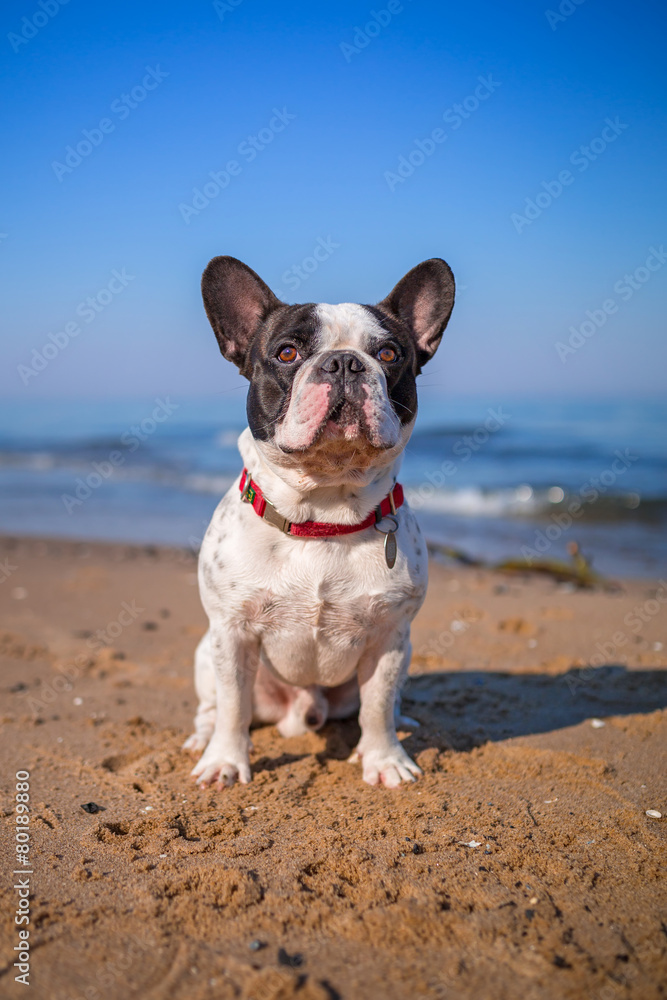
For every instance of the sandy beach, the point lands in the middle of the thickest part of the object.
(522, 864)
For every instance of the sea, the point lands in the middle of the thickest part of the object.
(494, 479)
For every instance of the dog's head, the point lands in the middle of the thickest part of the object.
(330, 386)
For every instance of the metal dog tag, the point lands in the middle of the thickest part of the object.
(390, 549)
(390, 546)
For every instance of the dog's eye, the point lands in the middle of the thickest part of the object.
(387, 355)
(288, 354)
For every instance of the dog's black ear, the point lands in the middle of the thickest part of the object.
(424, 300)
(236, 302)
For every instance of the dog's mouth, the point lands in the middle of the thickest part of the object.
(344, 421)
(344, 427)
(336, 422)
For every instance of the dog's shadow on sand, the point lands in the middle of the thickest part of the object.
(476, 707)
(462, 710)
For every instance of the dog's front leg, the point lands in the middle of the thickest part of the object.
(381, 671)
(227, 756)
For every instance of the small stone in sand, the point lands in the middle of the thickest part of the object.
(256, 945)
(597, 723)
(92, 807)
(78, 701)
(653, 814)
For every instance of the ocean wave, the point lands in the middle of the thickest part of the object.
(37, 461)
(201, 482)
(62, 466)
(525, 502)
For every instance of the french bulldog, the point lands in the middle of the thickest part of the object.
(313, 566)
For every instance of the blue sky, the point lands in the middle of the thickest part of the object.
(325, 175)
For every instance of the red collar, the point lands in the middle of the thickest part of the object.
(251, 493)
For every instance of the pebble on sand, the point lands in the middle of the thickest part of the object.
(597, 723)
(653, 814)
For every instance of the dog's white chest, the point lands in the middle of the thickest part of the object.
(320, 626)
(314, 605)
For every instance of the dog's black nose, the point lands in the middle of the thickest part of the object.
(342, 361)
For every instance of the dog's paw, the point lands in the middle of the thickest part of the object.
(386, 767)
(222, 768)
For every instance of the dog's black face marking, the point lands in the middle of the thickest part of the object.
(345, 373)
(401, 375)
(271, 379)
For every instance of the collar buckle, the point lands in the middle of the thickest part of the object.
(275, 518)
